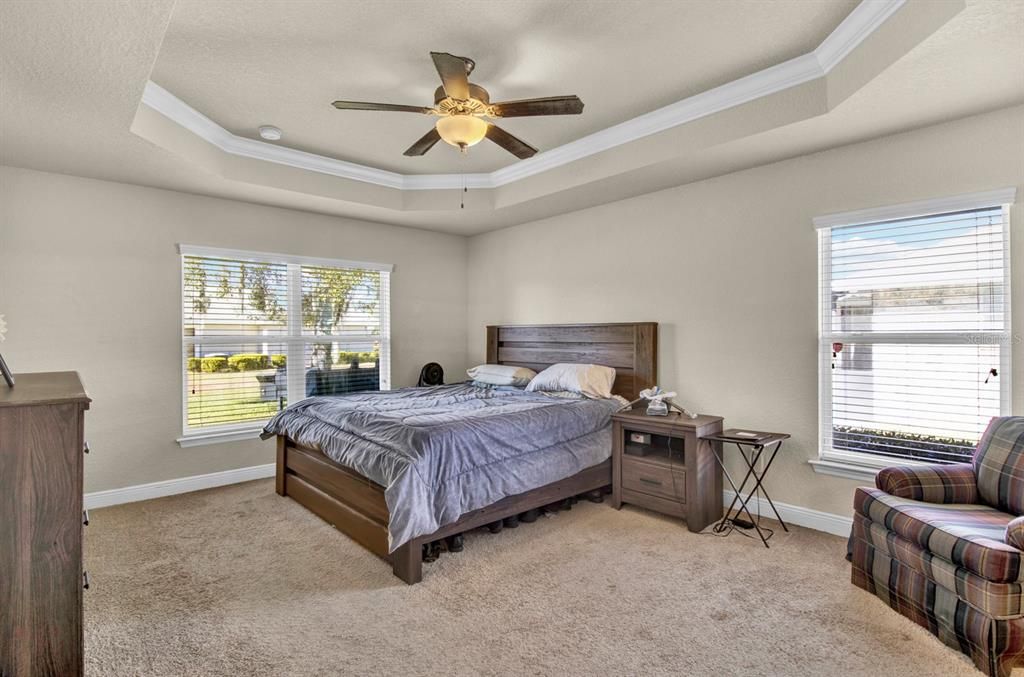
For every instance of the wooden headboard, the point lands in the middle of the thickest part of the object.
(630, 347)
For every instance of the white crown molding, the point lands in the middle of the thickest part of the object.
(854, 29)
(159, 99)
(862, 22)
(763, 83)
(907, 210)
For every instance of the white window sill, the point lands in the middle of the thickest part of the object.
(850, 471)
(219, 436)
(851, 466)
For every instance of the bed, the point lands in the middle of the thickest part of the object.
(356, 504)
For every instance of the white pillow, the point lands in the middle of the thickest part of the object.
(590, 380)
(501, 375)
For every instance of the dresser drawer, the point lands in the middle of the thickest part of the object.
(657, 479)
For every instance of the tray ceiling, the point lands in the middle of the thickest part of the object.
(72, 101)
(282, 62)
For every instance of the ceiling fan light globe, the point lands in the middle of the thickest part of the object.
(461, 131)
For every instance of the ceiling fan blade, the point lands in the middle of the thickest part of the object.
(424, 144)
(454, 72)
(516, 146)
(362, 105)
(551, 105)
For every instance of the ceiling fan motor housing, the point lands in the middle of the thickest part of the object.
(477, 103)
(460, 107)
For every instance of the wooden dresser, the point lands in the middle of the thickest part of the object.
(41, 519)
(672, 471)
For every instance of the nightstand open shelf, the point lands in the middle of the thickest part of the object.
(677, 475)
(662, 447)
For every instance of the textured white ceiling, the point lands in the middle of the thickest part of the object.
(282, 62)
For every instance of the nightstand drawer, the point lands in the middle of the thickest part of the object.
(654, 478)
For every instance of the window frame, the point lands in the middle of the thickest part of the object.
(294, 339)
(863, 466)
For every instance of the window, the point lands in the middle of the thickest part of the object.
(262, 330)
(914, 321)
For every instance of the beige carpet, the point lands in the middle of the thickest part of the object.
(239, 581)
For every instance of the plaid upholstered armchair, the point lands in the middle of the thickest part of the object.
(941, 544)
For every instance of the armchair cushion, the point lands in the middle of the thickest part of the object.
(999, 464)
(954, 483)
(1015, 533)
(998, 600)
(969, 536)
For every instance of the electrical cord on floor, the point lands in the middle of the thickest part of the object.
(731, 524)
(727, 525)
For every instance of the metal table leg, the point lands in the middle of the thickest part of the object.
(758, 483)
(751, 462)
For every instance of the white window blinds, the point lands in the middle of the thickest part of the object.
(262, 330)
(914, 337)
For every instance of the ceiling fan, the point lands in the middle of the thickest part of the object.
(460, 106)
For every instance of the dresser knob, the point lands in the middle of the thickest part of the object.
(85, 448)
(85, 517)
(85, 580)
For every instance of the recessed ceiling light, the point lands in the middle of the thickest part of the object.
(270, 133)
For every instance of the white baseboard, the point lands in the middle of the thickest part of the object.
(182, 485)
(839, 525)
(828, 522)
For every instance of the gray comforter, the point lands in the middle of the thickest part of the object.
(447, 450)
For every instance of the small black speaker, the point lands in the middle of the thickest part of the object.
(432, 374)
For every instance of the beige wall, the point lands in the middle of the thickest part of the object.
(728, 267)
(89, 281)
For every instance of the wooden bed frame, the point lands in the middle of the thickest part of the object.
(355, 505)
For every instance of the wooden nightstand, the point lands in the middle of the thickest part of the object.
(677, 473)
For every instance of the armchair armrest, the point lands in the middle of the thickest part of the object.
(954, 483)
(1015, 533)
